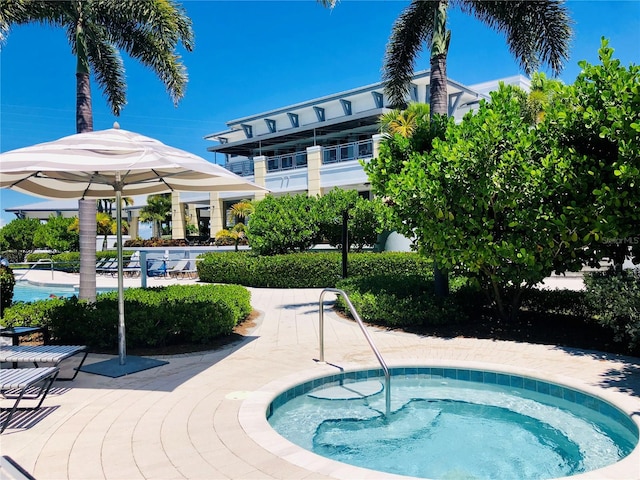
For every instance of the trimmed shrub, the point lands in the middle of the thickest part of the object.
(558, 302)
(614, 299)
(405, 301)
(155, 317)
(304, 270)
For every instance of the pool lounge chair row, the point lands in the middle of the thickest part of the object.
(33, 383)
(180, 269)
(110, 267)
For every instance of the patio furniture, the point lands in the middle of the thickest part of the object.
(15, 383)
(42, 354)
(10, 470)
(110, 266)
(16, 332)
(132, 269)
(157, 268)
(182, 269)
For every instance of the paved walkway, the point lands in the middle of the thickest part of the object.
(202, 415)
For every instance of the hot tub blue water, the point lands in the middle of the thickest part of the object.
(455, 423)
(25, 291)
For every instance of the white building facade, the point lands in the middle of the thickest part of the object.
(314, 146)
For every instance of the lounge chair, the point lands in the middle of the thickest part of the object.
(182, 269)
(15, 383)
(110, 266)
(157, 269)
(132, 269)
(42, 354)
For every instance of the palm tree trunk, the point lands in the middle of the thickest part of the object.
(86, 208)
(438, 103)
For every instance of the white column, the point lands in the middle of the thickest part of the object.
(314, 162)
(260, 175)
(177, 217)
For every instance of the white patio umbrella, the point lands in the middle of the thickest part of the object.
(108, 163)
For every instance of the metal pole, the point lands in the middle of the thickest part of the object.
(345, 241)
(122, 348)
(321, 326)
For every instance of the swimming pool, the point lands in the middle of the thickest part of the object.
(454, 423)
(25, 291)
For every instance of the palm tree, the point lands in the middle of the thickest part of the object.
(148, 31)
(105, 205)
(156, 211)
(242, 210)
(404, 122)
(537, 32)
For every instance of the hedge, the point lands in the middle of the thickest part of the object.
(613, 297)
(159, 316)
(408, 301)
(305, 270)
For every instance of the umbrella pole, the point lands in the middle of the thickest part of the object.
(122, 348)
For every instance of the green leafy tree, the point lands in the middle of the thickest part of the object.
(282, 225)
(58, 234)
(535, 32)
(19, 235)
(485, 202)
(366, 218)
(148, 31)
(156, 211)
(596, 126)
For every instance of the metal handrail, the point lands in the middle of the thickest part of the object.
(354, 313)
(35, 264)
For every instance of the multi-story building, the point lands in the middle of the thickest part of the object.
(313, 146)
(309, 147)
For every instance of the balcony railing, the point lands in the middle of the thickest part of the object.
(348, 151)
(288, 161)
(243, 168)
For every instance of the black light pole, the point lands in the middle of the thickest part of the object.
(345, 241)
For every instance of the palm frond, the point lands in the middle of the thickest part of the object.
(537, 32)
(412, 29)
(150, 31)
(20, 12)
(108, 70)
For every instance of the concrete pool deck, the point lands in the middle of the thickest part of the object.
(199, 416)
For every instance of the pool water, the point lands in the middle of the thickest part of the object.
(25, 291)
(450, 428)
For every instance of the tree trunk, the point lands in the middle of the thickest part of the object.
(438, 102)
(87, 209)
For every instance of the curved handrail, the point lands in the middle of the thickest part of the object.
(354, 313)
(35, 264)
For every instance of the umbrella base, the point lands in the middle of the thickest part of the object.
(112, 368)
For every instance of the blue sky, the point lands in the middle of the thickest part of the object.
(254, 56)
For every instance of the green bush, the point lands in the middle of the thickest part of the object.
(559, 302)
(406, 301)
(155, 317)
(7, 282)
(304, 270)
(284, 224)
(614, 299)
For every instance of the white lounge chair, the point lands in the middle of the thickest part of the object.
(36, 354)
(15, 383)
